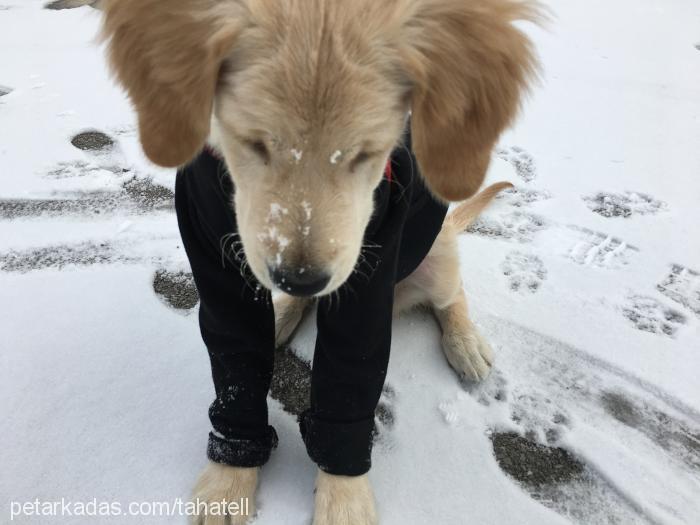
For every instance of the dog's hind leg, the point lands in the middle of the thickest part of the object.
(465, 349)
(289, 312)
(437, 283)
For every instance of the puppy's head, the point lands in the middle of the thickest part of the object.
(307, 99)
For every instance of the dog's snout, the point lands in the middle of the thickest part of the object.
(303, 282)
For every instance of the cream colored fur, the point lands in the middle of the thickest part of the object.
(436, 283)
(343, 500)
(306, 99)
(219, 483)
(288, 313)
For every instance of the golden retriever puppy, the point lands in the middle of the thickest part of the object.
(305, 101)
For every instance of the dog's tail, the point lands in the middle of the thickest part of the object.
(467, 212)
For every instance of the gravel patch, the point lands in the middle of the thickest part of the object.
(92, 141)
(533, 464)
(72, 4)
(176, 289)
(291, 382)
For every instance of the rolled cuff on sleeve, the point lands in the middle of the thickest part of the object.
(342, 449)
(249, 452)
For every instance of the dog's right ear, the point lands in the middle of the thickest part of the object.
(168, 54)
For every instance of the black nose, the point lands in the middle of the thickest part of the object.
(299, 282)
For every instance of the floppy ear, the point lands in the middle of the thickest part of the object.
(469, 67)
(167, 54)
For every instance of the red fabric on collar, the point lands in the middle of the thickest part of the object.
(387, 170)
(213, 152)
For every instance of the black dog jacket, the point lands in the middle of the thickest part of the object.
(354, 334)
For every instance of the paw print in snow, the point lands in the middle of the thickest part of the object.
(650, 315)
(625, 205)
(682, 285)
(518, 226)
(522, 161)
(525, 272)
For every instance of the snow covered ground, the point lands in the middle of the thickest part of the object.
(586, 280)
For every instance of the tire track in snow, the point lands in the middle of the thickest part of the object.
(552, 395)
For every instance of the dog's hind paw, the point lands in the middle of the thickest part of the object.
(225, 495)
(469, 354)
(343, 500)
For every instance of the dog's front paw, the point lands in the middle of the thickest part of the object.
(225, 495)
(468, 353)
(343, 500)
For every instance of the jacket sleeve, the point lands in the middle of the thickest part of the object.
(352, 353)
(236, 318)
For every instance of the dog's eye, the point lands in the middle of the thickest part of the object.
(260, 149)
(359, 159)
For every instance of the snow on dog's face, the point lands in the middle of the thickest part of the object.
(304, 176)
(306, 127)
(307, 98)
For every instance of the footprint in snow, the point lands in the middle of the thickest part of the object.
(384, 418)
(627, 204)
(4, 90)
(521, 197)
(650, 315)
(450, 409)
(102, 149)
(598, 249)
(543, 395)
(559, 480)
(176, 289)
(682, 285)
(522, 161)
(516, 226)
(553, 475)
(93, 140)
(532, 463)
(492, 389)
(525, 272)
(539, 417)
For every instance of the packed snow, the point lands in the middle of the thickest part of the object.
(336, 156)
(585, 279)
(297, 155)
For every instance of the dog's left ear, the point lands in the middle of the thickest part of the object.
(168, 54)
(469, 66)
